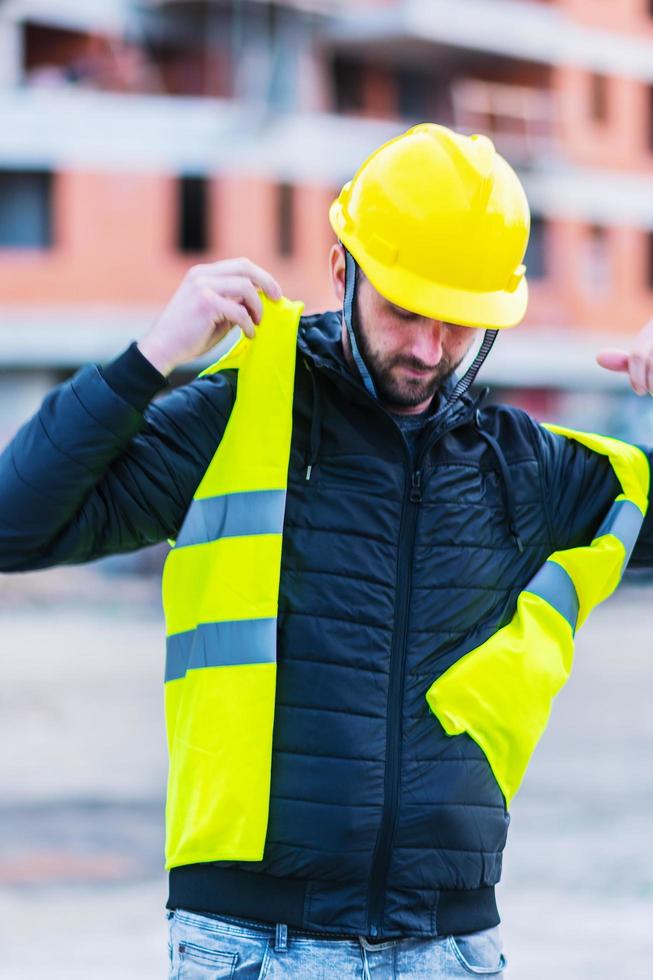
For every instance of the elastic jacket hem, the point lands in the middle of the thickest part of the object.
(209, 888)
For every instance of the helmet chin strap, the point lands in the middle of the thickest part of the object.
(349, 313)
(469, 376)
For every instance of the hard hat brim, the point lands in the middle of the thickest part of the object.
(498, 310)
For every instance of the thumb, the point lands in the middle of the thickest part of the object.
(613, 359)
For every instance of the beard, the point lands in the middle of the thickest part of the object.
(397, 387)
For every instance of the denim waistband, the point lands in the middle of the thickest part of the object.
(269, 929)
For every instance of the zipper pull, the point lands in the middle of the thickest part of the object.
(518, 541)
(309, 470)
(416, 487)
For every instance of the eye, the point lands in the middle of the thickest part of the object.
(404, 314)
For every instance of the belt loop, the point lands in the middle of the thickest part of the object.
(281, 938)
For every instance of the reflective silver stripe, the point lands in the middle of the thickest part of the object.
(624, 520)
(246, 641)
(553, 584)
(233, 515)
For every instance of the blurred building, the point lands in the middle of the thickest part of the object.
(138, 138)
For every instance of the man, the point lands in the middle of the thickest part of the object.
(375, 583)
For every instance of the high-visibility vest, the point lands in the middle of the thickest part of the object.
(220, 596)
(501, 692)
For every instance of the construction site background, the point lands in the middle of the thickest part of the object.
(139, 138)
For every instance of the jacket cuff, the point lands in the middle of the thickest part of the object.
(133, 378)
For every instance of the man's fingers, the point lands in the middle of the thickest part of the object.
(262, 278)
(245, 267)
(638, 365)
(240, 288)
(637, 369)
(641, 360)
(227, 309)
(613, 359)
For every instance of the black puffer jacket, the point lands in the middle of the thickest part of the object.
(380, 824)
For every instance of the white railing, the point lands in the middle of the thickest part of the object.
(520, 119)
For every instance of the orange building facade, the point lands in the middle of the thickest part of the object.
(196, 132)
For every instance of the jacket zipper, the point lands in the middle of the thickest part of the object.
(394, 730)
(381, 857)
(407, 528)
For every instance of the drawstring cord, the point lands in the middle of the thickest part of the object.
(349, 316)
(366, 967)
(316, 422)
(506, 488)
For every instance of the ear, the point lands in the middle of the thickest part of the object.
(337, 269)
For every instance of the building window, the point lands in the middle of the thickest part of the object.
(192, 214)
(412, 93)
(25, 209)
(650, 116)
(597, 270)
(535, 259)
(599, 98)
(285, 220)
(348, 85)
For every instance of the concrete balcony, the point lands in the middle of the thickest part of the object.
(522, 29)
(43, 338)
(86, 130)
(72, 128)
(100, 15)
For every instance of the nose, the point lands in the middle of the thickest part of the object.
(426, 342)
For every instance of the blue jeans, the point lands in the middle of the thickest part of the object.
(206, 947)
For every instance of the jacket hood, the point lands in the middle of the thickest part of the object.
(319, 338)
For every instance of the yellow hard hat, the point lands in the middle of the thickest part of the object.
(439, 224)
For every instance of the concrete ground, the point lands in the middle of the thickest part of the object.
(82, 777)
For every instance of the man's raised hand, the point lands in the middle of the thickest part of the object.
(209, 301)
(637, 362)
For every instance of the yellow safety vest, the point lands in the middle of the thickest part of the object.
(220, 596)
(501, 692)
